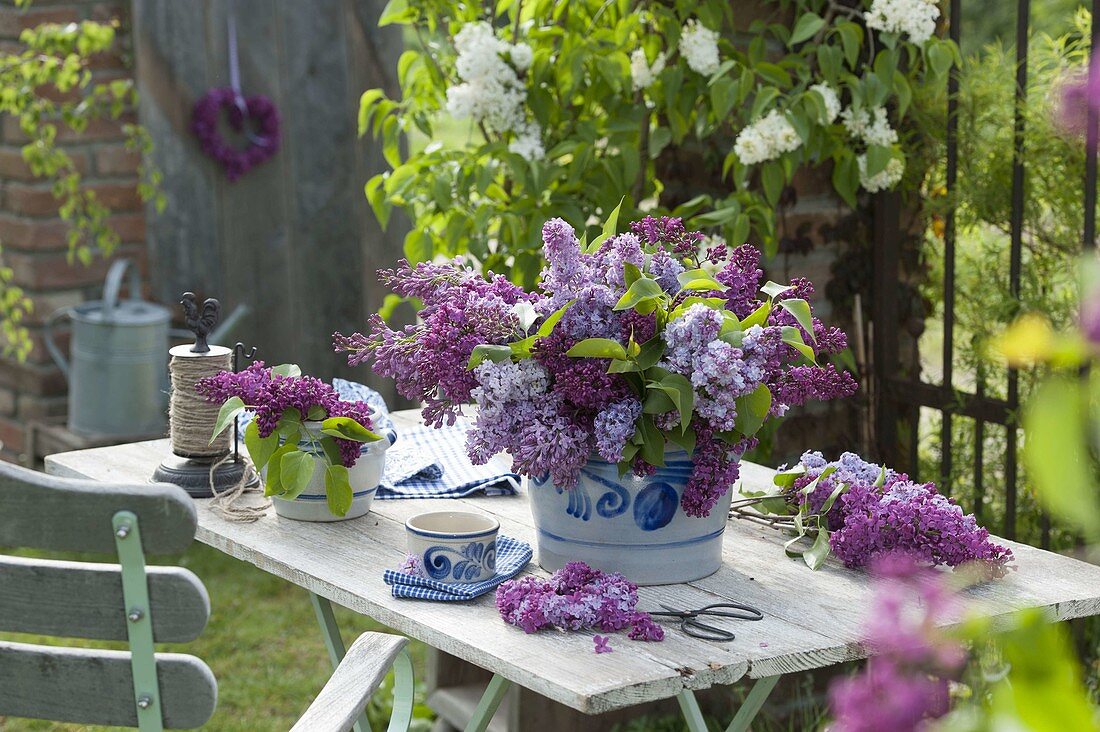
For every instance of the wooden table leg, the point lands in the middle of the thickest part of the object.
(330, 631)
(490, 701)
(747, 712)
(752, 704)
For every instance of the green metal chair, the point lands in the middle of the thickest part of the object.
(139, 604)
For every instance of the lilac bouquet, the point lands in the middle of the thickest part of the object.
(632, 344)
(280, 437)
(860, 511)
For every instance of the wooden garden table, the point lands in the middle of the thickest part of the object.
(811, 619)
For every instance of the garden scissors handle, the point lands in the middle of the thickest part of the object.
(692, 626)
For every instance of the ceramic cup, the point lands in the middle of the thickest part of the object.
(456, 547)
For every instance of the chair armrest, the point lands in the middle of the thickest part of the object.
(351, 685)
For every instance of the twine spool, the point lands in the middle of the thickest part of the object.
(191, 419)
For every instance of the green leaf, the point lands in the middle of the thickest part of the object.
(642, 291)
(597, 348)
(316, 413)
(685, 439)
(698, 279)
(657, 402)
(758, 316)
(291, 370)
(290, 424)
(488, 352)
(338, 492)
(787, 478)
(260, 449)
(793, 337)
(877, 158)
(805, 28)
(771, 176)
(331, 450)
(1056, 452)
(840, 489)
(679, 389)
(851, 37)
(274, 483)
(816, 555)
(396, 11)
(631, 273)
(774, 289)
(609, 227)
(347, 428)
(653, 442)
(296, 470)
(227, 415)
(651, 353)
(752, 410)
(940, 57)
(800, 309)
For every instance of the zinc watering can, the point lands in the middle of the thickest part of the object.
(118, 376)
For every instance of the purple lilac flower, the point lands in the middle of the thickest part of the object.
(742, 276)
(603, 644)
(913, 518)
(614, 426)
(905, 684)
(714, 472)
(670, 232)
(564, 271)
(519, 415)
(665, 268)
(689, 334)
(576, 597)
(1079, 97)
(428, 360)
(412, 565)
(269, 395)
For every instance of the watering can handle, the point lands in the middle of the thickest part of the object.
(111, 287)
(51, 344)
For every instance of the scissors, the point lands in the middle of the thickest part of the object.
(691, 625)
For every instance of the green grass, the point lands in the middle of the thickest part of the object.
(262, 643)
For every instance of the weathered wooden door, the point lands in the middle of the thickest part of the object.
(293, 238)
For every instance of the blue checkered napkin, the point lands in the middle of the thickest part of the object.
(512, 556)
(458, 477)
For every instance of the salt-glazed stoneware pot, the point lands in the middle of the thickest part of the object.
(455, 547)
(365, 476)
(630, 525)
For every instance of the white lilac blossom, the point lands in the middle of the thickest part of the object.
(521, 55)
(871, 126)
(914, 18)
(885, 179)
(699, 47)
(491, 91)
(766, 139)
(528, 143)
(831, 100)
(643, 73)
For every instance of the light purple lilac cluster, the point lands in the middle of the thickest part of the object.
(576, 597)
(553, 412)
(905, 684)
(270, 394)
(882, 512)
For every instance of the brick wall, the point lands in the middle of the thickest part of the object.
(33, 236)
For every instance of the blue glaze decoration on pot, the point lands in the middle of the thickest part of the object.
(655, 506)
(612, 503)
(637, 527)
(474, 561)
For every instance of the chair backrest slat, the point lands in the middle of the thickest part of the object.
(59, 514)
(84, 600)
(86, 686)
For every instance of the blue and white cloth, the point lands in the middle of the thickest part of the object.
(512, 556)
(449, 474)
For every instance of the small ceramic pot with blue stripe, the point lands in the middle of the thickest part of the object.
(365, 476)
(456, 547)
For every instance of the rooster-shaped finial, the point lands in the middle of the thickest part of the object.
(200, 322)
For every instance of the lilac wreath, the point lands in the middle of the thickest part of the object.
(263, 143)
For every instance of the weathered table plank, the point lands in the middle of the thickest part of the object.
(812, 619)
